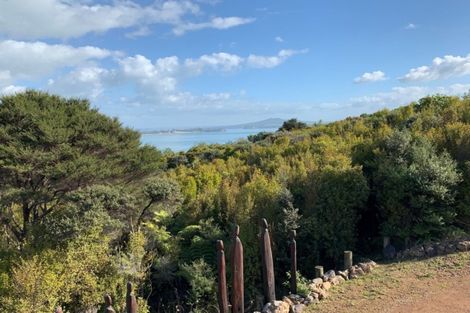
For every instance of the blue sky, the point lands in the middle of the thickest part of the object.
(165, 64)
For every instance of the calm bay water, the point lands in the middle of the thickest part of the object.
(183, 141)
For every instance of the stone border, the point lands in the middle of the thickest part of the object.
(434, 249)
(319, 288)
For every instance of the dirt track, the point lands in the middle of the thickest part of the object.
(436, 285)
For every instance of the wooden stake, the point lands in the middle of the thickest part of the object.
(131, 302)
(348, 260)
(318, 271)
(238, 304)
(222, 280)
(267, 263)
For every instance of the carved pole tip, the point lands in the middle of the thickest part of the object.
(236, 232)
(293, 234)
(129, 287)
(107, 300)
(220, 245)
(264, 223)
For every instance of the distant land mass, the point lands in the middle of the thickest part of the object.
(269, 123)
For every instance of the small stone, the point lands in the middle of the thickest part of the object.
(329, 275)
(318, 293)
(344, 274)
(326, 285)
(299, 308)
(463, 246)
(359, 271)
(417, 252)
(276, 307)
(450, 248)
(365, 267)
(308, 299)
(440, 249)
(295, 298)
(314, 296)
(429, 250)
(317, 281)
(287, 300)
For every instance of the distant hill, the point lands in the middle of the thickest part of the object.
(269, 123)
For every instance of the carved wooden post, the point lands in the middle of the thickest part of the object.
(109, 304)
(222, 280)
(348, 260)
(267, 263)
(58, 309)
(238, 305)
(318, 271)
(131, 303)
(293, 262)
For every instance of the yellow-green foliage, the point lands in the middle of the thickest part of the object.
(75, 277)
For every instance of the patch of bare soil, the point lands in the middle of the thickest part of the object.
(435, 285)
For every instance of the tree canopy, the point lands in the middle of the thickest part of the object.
(77, 185)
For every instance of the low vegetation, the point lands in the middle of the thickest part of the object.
(84, 207)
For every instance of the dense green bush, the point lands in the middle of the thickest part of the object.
(81, 198)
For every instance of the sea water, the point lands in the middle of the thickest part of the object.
(183, 141)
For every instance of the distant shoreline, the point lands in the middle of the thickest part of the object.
(264, 124)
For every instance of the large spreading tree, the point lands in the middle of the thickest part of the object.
(51, 146)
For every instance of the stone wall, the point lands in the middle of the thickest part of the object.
(435, 248)
(318, 289)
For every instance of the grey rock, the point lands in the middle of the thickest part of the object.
(299, 308)
(344, 274)
(329, 275)
(317, 281)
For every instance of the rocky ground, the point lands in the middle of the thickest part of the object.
(432, 285)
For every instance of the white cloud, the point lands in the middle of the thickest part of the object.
(279, 39)
(5, 77)
(87, 82)
(370, 77)
(410, 26)
(139, 32)
(215, 23)
(29, 60)
(217, 61)
(82, 72)
(404, 95)
(11, 89)
(259, 61)
(441, 68)
(397, 96)
(34, 19)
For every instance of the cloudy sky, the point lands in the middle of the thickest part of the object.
(164, 64)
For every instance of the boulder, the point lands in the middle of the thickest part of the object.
(276, 307)
(463, 246)
(329, 275)
(295, 298)
(429, 250)
(344, 274)
(326, 285)
(337, 280)
(287, 300)
(365, 267)
(359, 271)
(299, 308)
(318, 293)
(317, 281)
(440, 248)
(450, 248)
